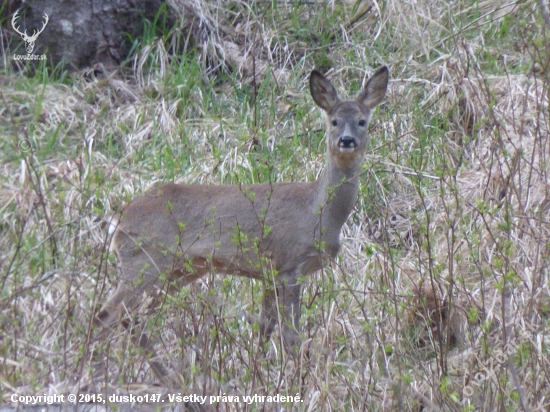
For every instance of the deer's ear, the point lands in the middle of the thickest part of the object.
(375, 89)
(323, 92)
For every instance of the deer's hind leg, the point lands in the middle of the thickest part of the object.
(141, 278)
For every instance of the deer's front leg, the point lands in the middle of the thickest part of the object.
(282, 301)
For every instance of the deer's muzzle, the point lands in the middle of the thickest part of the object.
(347, 144)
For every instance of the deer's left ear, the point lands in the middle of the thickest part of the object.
(375, 89)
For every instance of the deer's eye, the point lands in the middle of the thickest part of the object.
(362, 123)
(335, 123)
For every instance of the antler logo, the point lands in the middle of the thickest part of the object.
(29, 40)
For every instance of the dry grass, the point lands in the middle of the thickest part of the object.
(439, 299)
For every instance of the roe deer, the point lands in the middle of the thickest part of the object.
(185, 231)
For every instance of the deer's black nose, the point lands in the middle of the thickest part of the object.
(347, 142)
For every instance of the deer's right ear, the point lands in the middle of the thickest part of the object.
(323, 92)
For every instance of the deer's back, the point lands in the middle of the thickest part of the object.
(231, 225)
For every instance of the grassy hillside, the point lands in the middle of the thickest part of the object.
(440, 296)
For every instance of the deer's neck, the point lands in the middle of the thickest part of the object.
(337, 194)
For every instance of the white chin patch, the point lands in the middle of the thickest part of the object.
(347, 149)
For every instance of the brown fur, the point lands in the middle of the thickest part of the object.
(186, 231)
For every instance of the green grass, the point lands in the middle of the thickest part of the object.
(443, 259)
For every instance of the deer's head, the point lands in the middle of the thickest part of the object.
(29, 40)
(347, 120)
